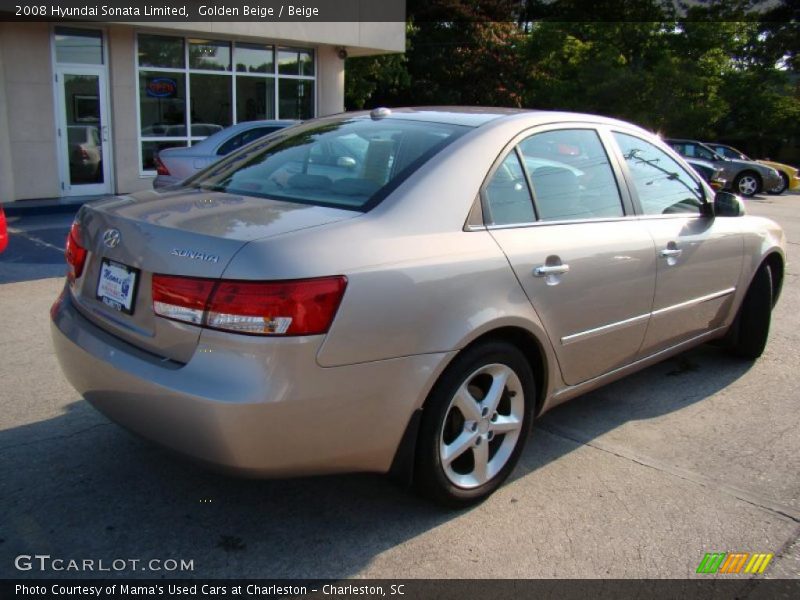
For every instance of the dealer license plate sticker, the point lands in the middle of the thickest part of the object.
(117, 286)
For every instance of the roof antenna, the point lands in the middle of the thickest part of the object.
(380, 113)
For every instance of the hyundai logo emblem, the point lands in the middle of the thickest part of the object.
(111, 238)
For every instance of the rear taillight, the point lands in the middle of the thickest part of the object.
(181, 298)
(295, 307)
(74, 252)
(161, 168)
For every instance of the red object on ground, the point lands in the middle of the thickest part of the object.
(3, 230)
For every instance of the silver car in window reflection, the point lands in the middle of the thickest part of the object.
(404, 291)
(173, 165)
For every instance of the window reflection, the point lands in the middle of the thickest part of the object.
(209, 55)
(79, 46)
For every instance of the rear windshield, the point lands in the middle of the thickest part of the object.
(351, 164)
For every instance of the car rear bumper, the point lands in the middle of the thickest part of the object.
(254, 406)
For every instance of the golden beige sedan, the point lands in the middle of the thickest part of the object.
(404, 291)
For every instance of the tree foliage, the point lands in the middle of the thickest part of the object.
(718, 71)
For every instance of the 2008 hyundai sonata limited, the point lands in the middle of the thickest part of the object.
(404, 290)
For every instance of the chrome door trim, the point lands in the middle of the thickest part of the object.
(590, 333)
(571, 391)
(693, 301)
(603, 329)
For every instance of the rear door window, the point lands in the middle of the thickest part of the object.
(571, 175)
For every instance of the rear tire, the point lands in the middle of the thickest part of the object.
(474, 425)
(747, 184)
(781, 187)
(752, 323)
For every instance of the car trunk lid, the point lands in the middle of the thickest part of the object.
(188, 233)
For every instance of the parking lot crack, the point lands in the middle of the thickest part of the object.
(762, 503)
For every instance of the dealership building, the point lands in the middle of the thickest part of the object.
(85, 108)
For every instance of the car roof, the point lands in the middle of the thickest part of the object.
(721, 145)
(476, 116)
(685, 140)
(472, 116)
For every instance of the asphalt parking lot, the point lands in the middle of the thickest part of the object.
(640, 479)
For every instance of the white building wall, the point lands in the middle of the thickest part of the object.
(28, 135)
(330, 81)
(29, 114)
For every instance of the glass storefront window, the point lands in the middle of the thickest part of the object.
(295, 61)
(296, 98)
(254, 58)
(79, 46)
(223, 82)
(162, 103)
(209, 55)
(210, 99)
(161, 51)
(255, 98)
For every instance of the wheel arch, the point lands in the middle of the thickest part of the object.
(776, 264)
(532, 348)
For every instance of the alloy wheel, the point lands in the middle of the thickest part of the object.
(748, 185)
(482, 425)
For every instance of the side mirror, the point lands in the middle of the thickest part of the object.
(728, 205)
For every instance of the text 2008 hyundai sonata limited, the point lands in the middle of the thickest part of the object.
(404, 290)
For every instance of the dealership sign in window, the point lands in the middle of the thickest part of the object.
(192, 88)
(161, 87)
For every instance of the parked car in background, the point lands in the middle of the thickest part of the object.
(708, 171)
(85, 154)
(790, 176)
(173, 165)
(410, 307)
(744, 177)
(3, 230)
(166, 130)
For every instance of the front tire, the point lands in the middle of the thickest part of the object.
(753, 321)
(781, 187)
(474, 425)
(747, 184)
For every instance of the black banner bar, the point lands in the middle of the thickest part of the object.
(265, 11)
(709, 588)
(522, 11)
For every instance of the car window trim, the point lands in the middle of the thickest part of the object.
(622, 188)
(528, 182)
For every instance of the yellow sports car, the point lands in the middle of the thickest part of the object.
(790, 177)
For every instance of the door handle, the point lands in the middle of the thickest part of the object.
(545, 270)
(671, 252)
